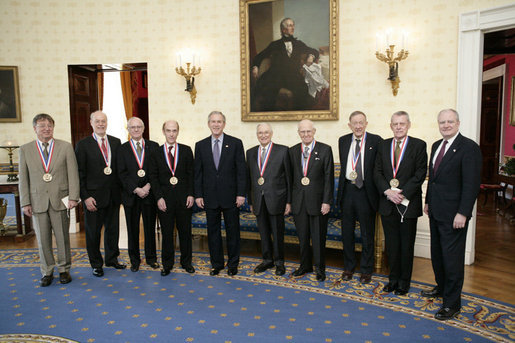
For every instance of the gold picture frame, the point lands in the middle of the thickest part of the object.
(10, 109)
(266, 94)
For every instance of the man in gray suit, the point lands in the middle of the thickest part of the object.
(49, 174)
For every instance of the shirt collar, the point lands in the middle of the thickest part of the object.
(220, 139)
(451, 140)
(49, 142)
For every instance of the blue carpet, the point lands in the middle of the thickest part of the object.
(145, 307)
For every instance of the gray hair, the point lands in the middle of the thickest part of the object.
(213, 113)
(42, 116)
(93, 114)
(131, 119)
(283, 23)
(450, 110)
(355, 113)
(401, 113)
(264, 124)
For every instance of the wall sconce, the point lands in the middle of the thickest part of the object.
(393, 62)
(192, 69)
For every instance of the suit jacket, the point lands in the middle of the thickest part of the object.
(455, 186)
(371, 146)
(411, 174)
(219, 188)
(128, 171)
(277, 187)
(65, 177)
(93, 182)
(321, 175)
(160, 175)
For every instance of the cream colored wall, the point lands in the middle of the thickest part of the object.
(43, 37)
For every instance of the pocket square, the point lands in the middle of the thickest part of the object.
(317, 158)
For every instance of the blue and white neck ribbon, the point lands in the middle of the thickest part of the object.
(395, 167)
(356, 157)
(139, 159)
(46, 161)
(107, 160)
(267, 155)
(175, 157)
(305, 162)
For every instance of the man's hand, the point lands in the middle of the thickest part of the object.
(240, 201)
(426, 209)
(161, 205)
(141, 192)
(200, 202)
(91, 204)
(394, 196)
(72, 204)
(459, 221)
(189, 201)
(325, 209)
(255, 72)
(27, 210)
(287, 210)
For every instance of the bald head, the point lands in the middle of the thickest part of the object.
(171, 131)
(264, 133)
(306, 131)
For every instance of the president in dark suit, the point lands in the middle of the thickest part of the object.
(171, 177)
(100, 190)
(286, 56)
(454, 179)
(400, 170)
(137, 199)
(357, 194)
(220, 187)
(312, 194)
(269, 196)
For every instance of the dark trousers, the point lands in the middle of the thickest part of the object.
(109, 217)
(448, 259)
(271, 230)
(214, 236)
(179, 216)
(400, 244)
(314, 227)
(132, 218)
(356, 207)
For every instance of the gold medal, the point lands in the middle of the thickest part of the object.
(174, 180)
(141, 173)
(261, 181)
(305, 181)
(394, 183)
(353, 175)
(47, 177)
(108, 170)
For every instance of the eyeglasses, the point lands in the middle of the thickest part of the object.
(136, 127)
(45, 126)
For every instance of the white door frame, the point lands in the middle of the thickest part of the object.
(472, 27)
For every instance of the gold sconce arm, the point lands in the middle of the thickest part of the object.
(393, 65)
(189, 74)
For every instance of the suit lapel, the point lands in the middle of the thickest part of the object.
(55, 156)
(451, 152)
(346, 149)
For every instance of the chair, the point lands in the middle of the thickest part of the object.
(495, 189)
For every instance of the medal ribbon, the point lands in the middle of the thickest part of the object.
(106, 158)
(267, 155)
(354, 161)
(306, 163)
(401, 155)
(46, 162)
(139, 159)
(175, 158)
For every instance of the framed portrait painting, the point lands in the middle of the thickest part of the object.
(10, 109)
(289, 59)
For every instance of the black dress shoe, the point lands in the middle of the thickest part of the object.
(65, 278)
(165, 272)
(347, 275)
(435, 292)
(134, 268)
(215, 271)
(320, 276)
(390, 287)
(154, 265)
(232, 271)
(446, 313)
(280, 270)
(301, 271)
(365, 278)
(189, 269)
(262, 267)
(401, 291)
(46, 280)
(98, 272)
(116, 265)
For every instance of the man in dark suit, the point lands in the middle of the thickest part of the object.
(287, 55)
(220, 186)
(269, 196)
(137, 198)
(454, 179)
(400, 170)
(100, 189)
(312, 194)
(171, 176)
(48, 174)
(357, 194)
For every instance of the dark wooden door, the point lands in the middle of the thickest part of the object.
(83, 100)
(491, 102)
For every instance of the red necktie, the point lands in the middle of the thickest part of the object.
(170, 155)
(104, 148)
(439, 157)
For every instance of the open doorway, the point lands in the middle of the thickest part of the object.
(91, 89)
